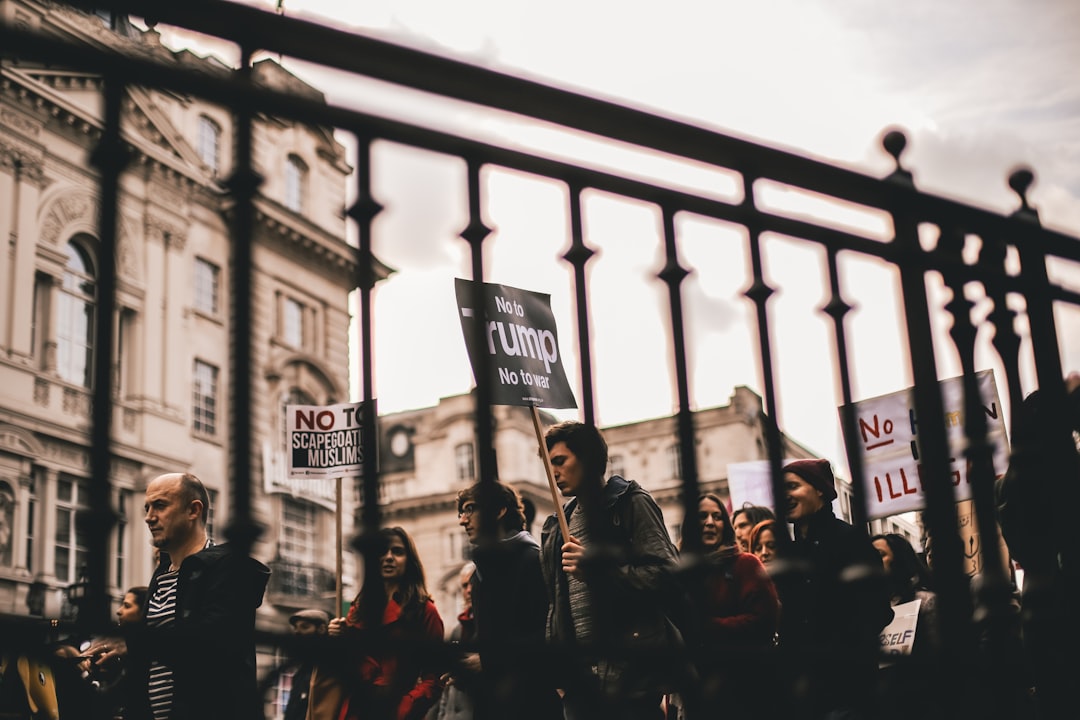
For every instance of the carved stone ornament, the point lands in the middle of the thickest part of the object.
(70, 209)
(160, 229)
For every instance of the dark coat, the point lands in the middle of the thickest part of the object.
(211, 645)
(510, 605)
(834, 604)
(633, 559)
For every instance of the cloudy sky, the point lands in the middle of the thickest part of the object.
(979, 86)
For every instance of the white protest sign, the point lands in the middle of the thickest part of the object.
(324, 441)
(898, 637)
(750, 483)
(522, 342)
(887, 432)
(276, 480)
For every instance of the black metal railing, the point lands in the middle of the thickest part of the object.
(976, 690)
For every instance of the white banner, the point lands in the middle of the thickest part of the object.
(888, 430)
(898, 637)
(749, 483)
(276, 480)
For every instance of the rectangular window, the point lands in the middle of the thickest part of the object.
(618, 466)
(675, 461)
(297, 547)
(204, 398)
(210, 143)
(125, 503)
(206, 286)
(464, 462)
(292, 324)
(295, 178)
(71, 544)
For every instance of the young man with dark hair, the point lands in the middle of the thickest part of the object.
(509, 607)
(604, 582)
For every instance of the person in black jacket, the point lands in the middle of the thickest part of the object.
(305, 622)
(1036, 504)
(193, 658)
(510, 606)
(607, 584)
(834, 599)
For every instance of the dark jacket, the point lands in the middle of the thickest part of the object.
(625, 576)
(834, 604)
(211, 645)
(510, 605)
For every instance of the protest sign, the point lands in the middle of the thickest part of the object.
(276, 480)
(324, 441)
(521, 338)
(750, 483)
(888, 439)
(898, 637)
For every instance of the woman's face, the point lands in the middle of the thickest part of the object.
(129, 610)
(712, 523)
(886, 554)
(392, 563)
(765, 546)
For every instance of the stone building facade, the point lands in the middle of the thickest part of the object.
(172, 323)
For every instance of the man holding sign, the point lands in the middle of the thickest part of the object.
(604, 581)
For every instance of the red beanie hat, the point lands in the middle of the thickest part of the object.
(816, 472)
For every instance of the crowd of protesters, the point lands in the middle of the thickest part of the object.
(748, 616)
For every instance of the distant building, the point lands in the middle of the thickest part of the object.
(172, 373)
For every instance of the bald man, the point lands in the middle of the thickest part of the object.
(195, 658)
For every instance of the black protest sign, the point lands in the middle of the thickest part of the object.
(523, 343)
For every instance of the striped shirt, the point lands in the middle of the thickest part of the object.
(160, 613)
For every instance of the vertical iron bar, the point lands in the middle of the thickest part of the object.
(759, 293)
(934, 468)
(110, 157)
(475, 233)
(578, 255)
(992, 595)
(1005, 340)
(673, 275)
(243, 185)
(838, 309)
(363, 212)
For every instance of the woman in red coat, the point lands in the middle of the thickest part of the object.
(739, 612)
(394, 679)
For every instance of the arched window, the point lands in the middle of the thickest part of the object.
(295, 180)
(75, 319)
(210, 143)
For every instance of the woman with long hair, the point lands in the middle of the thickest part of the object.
(393, 678)
(738, 613)
(909, 579)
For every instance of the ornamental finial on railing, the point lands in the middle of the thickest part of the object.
(1020, 180)
(894, 143)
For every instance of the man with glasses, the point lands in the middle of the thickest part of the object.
(509, 604)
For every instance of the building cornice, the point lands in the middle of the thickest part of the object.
(327, 249)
